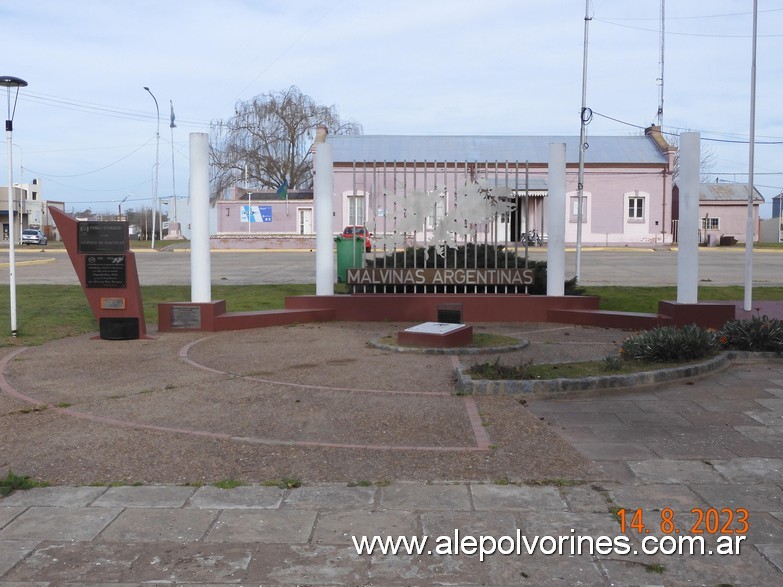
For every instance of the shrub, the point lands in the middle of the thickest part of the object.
(670, 344)
(759, 333)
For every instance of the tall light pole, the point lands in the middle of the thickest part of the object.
(172, 126)
(9, 82)
(157, 160)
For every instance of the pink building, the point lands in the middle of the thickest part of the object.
(416, 189)
(723, 209)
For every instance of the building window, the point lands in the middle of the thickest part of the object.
(356, 214)
(635, 204)
(710, 223)
(636, 208)
(573, 207)
(439, 213)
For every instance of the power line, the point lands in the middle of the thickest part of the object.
(99, 109)
(715, 140)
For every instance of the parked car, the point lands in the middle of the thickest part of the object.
(359, 232)
(31, 236)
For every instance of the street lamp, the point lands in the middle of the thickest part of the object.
(9, 81)
(157, 158)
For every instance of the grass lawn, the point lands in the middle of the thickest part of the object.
(48, 312)
(645, 299)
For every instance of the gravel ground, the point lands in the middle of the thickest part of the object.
(266, 402)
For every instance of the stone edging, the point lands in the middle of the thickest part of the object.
(376, 343)
(560, 387)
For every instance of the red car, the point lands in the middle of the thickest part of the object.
(359, 232)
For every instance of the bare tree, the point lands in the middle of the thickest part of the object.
(706, 160)
(268, 140)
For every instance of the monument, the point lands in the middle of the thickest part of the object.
(106, 268)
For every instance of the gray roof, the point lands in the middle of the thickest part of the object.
(727, 192)
(535, 149)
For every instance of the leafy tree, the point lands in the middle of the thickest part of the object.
(269, 139)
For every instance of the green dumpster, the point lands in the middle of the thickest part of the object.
(350, 253)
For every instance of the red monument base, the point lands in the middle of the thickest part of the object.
(437, 335)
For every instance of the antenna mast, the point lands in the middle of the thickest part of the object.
(660, 62)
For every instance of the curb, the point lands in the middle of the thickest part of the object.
(376, 343)
(559, 388)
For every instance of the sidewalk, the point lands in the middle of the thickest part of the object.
(709, 447)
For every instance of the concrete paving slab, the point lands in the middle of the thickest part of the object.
(9, 513)
(691, 448)
(193, 563)
(295, 564)
(568, 419)
(263, 526)
(517, 497)
(656, 497)
(425, 497)
(76, 562)
(13, 551)
(543, 570)
(747, 448)
(776, 391)
(253, 497)
(563, 523)
(655, 471)
(614, 451)
(159, 496)
(762, 433)
(748, 568)
(457, 524)
(426, 570)
(331, 497)
(59, 524)
(774, 418)
(719, 419)
(583, 499)
(764, 528)
(339, 527)
(728, 406)
(755, 497)
(648, 418)
(61, 497)
(669, 407)
(773, 403)
(750, 469)
(155, 525)
(624, 433)
(773, 553)
(618, 472)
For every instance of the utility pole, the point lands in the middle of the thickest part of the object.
(584, 118)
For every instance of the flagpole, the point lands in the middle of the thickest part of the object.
(749, 228)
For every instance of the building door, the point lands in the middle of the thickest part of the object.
(305, 221)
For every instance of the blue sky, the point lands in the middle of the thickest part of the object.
(86, 127)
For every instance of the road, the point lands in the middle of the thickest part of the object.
(717, 266)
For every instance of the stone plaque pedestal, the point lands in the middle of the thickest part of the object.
(436, 335)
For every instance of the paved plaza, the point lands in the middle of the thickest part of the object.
(707, 449)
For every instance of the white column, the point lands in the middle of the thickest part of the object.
(688, 229)
(200, 266)
(556, 202)
(324, 209)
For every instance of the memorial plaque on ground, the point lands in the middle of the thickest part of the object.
(434, 328)
(102, 237)
(105, 271)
